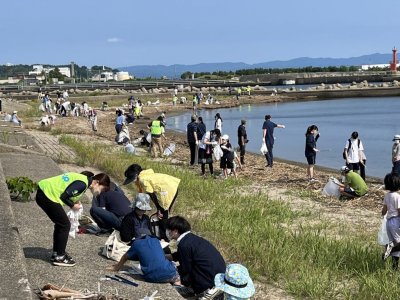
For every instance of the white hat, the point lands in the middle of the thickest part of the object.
(225, 137)
(14, 112)
(396, 137)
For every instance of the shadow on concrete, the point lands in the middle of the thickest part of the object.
(38, 253)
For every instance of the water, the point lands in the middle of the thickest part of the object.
(375, 119)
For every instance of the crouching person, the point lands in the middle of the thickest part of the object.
(354, 186)
(155, 267)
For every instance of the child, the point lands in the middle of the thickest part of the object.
(227, 157)
(391, 206)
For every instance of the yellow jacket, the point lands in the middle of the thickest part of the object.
(163, 185)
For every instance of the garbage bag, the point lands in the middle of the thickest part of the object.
(217, 152)
(130, 148)
(331, 189)
(263, 149)
(169, 150)
(383, 238)
(74, 216)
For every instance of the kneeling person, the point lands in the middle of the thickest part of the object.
(354, 185)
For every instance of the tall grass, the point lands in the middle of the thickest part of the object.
(272, 240)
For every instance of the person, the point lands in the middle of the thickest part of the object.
(268, 138)
(52, 194)
(199, 261)
(65, 95)
(109, 207)
(65, 108)
(235, 283)
(119, 121)
(396, 154)
(391, 208)
(209, 140)
(162, 189)
(174, 100)
(156, 130)
(15, 119)
(354, 185)
(238, 93)
(312, 136)
(248, 90)
(131, 104)
(201, 128)
(144, 141)
(123, 137)
(93, 118)
(227, 157)
(242, 140)
(218, 122)
(192, 139)
(353, 152)
(136, 224)
(155, 267)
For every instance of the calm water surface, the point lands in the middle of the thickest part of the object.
(375, 119)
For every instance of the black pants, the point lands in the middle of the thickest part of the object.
(60, 219)
(203, 168)
(269, 156)
(192, 146)
(362, 169)
(242, 152)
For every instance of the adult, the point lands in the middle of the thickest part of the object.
(396, 154)
(218, 122)
(109, 207)
(162, 189)
(136, 224)
(52, 194)
(123, 137)
(119, 121)
(209, 140)
(65, 95)
(157, 132)
(143, 139)
(268, 138)
(65, 107)
(15, 119)
(242, 140)
(354, 185)
(199, 261)
(352, 153)
(201, 128)
(155, 267)
(312, 135)
(192, 140)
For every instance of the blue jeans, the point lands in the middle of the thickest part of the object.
(105, 219)
(269, 156)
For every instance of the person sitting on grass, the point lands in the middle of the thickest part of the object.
(391, 208)
(354, 185)
(155, 267)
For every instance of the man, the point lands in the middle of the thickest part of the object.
(396, 154)
(354, 185)
(162, 189)
(52, 194)
(242, 140)
(352, 152)
(192, 138)
(199, 260)
(157, 132)
(268, 138)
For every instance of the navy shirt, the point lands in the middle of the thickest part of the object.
(134, 227)
(242, 133)
(311, 143)
(115, 202)
(191, 129)
(201, 130)
(269, 136)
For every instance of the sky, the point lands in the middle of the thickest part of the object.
(123, 33)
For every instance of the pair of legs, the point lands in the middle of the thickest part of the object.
(269, 156)
(393, 232)
(242, 153)
(156, 146)
(348, 192)
(310, 167)
(105, 219)
(118, 128)
(192, 147)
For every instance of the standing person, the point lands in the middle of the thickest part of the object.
(119, 121)
(52, 194)
(352, 152)
(162, 189)
(199, 260)
(93, 118)
(209, 140)
(201, 128)
(242, 140)
(192, 138)
(156, 129)
(354, 185)
(391, 206)
(396, 154)
(268, 138)
(218, 122)
(238, 93)
(227, 156)
(312, 135)
(174, 100)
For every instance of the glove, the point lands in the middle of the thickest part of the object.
(283, 126)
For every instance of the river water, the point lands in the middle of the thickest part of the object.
(376, 120)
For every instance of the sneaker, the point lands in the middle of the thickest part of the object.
(389, 248)
(212, 294)
(313, 180)
(64, 261)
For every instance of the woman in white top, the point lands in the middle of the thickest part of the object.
(209, 140)
(218, 122)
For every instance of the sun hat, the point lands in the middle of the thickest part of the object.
(235, 282)
(142, 201)
(396, 137)
(132, 173)
(225, 137)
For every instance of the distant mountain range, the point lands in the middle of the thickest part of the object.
(175, 71)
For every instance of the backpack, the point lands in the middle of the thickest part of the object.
(348, 149)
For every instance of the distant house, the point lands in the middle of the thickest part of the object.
(107, 76)
(380, 66)
(38, 69)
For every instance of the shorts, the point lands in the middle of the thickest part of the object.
(353, 166)
(393, 229)
(311, 159)
(351, 192)
(226, 164)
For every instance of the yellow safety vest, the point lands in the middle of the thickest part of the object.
(156, 127)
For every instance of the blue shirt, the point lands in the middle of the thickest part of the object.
(154, 265)
(120, 120)
(191, 129)
(269, 136)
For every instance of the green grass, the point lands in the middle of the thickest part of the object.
(291, 248)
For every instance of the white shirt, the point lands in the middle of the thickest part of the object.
(392, 201)
(181, 237)
(206, 136)
(353, 154)
(218, 125)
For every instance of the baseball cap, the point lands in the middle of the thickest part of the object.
(131, 173)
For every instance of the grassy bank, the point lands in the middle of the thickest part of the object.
(303, 252)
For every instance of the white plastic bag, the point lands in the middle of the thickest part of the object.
(74, 216)
(41, 107)
(217, 152)
(383, 238)
(114, 248)
(148, 138)
(331, 189)
(169, 150)
(130, 148)
(264, 149)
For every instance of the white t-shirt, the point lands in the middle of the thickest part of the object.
(353, 153)
(392, 201)
(218, 125)
(206, 136)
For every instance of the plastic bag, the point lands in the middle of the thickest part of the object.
(130, 148)
(41, 107)
(148, 138)
(74, 216)
(169, 150)
(383, 238)
(217, 152)
(331, 189)
(263, 149)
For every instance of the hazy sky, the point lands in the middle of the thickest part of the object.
(127, 32)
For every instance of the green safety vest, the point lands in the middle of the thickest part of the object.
(156, 127)
(53, 187)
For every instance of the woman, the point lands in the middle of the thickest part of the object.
(119, 121)
(218, 122)
(210, 139)
(109, 207)
(201, 128)
(311, 150)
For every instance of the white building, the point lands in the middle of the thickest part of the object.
(106, 76)
(38, 69)
(381, 66)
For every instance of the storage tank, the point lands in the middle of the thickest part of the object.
(122, 76)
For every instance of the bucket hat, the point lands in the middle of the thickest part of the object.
(344, 169)
(225, 137)
(396, 137)
(142, 201)
(235, 282)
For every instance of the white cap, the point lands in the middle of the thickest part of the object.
(225, 137)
